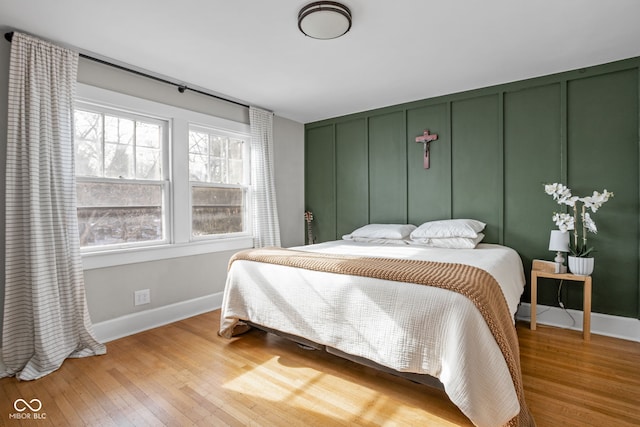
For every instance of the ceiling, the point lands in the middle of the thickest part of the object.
(252, 51)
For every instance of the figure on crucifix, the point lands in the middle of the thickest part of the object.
(426, 139)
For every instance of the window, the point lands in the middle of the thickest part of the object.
(218, 178)
(121, 179)
(141, 165)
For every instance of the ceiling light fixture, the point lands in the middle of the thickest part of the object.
(324, 20)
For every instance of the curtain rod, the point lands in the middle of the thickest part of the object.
(181, 88)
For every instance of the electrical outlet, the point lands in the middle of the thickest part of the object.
(142, 297)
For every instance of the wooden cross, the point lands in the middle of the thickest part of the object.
(426, 139)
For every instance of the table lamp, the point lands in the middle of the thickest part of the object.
(559, 242)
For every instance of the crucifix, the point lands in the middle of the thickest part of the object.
(426, 139)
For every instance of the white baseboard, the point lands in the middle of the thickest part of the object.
(130, 324)
(601, 324)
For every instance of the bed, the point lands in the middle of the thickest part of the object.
(385, 318)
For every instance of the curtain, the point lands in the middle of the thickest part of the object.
(266, 228)
(46, 318)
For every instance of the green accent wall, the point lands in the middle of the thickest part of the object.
(496, 148)
(352, 174)
(476, 173)
(387, 168)
(320, 181)
(437, 183)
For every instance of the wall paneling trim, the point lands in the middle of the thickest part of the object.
(497, 146)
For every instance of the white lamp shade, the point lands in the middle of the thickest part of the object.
(559, 241)
(324, 20)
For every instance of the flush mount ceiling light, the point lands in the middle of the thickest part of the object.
(324, 20)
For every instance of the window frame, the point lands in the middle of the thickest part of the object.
(178, 204)
(245, 185)
(164, 180)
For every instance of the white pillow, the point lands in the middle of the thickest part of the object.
(384, 231)
(450, 242)
(448, 228)
(376, 241)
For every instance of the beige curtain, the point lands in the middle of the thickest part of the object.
(266, 228)
(46, 318)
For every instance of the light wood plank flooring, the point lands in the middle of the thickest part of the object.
(184, 374)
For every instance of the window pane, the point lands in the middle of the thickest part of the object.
(217, 146)
(88, 143)
(88, 125)
(235, 149)
(148, 163)
(217, 172)
(118, 194)
(148, 135)
(217, 210)
(118, 130)
(88, 158)
(198, 168)
(235, 171)
(198, 142)
(215, 158)
(111, 129)
(118, 161)
(112, 213)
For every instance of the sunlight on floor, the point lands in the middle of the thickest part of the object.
(272, 382)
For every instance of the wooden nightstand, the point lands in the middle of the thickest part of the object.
(586, 306)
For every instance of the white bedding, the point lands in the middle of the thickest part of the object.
(406, 327)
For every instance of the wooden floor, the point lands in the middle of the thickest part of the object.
(184, 374)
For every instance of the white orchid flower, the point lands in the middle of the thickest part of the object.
(569, 201)
(589, 224)
(551, 189)
(564, 221)
(595, 201)
(560, 193)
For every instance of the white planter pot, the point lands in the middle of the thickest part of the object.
(581, 266)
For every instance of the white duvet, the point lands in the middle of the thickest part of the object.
(406, 327)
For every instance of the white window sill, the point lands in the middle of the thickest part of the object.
(154, 253)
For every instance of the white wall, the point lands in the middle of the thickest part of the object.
(289, 165)
(173, 281)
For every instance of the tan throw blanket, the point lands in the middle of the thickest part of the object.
(474, 283)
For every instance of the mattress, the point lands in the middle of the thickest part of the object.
(403, 326)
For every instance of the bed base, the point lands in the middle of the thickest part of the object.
(423, 379)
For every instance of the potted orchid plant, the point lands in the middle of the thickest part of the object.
(580, 253)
